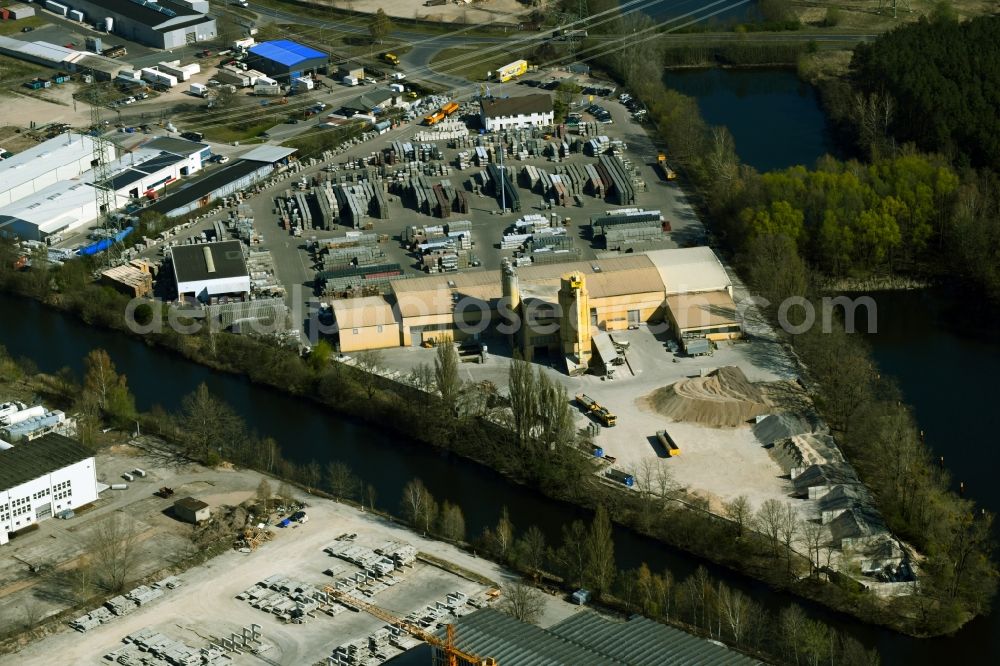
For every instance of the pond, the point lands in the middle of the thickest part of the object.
(775, 118)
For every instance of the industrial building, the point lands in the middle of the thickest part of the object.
(210, 270)
(375, 101)
(582, 638)
(62, 58)
(196, 154)
(191, 510)
(556, 308)
(164, 24)
(60, 158)
(241, 174)
(69, 204)
(59, 208)
(533, 110)
(283, 59)
(43, 478)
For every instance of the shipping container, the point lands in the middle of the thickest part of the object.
(56, 8)
(199, 89)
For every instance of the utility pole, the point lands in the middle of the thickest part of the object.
(104, 193)
(901, 4)
(503, 193)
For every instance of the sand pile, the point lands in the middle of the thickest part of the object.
(723, 398)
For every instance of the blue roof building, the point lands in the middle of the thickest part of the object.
(285, 59)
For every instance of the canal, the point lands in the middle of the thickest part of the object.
(306, 432)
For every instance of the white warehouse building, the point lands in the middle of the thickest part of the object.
(164, 24)
(61, 207)
(43, 478)
(533, 110)
(60, 158)
(209, 270)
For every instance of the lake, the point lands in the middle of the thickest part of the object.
(776, 119)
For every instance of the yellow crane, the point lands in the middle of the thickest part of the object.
(452, 653)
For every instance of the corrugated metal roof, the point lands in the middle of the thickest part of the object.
(43, 158)
(285, 52)
(702, 310)
(587, 638)
(37, 458)
(643, 642)
(269, 154)
(363, 312)
(605, 278)
(690, 269)
(490, 633)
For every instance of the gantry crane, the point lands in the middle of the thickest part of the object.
(452, 653)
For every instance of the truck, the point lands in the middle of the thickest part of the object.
(390, 58)
(668, 443)
(512, 70)
(449, 108)
(434, 118)
(620, 477)
(661, 162)
(350, 81)
(595, 409)
(198, 89)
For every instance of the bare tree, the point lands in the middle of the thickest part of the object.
(419, 506)
(370, 495)
(814, 538)
(503, 536)
(788, 529)
(341, 480)
(734, 608)
(264, 494)
(531, 549)
(740, 511)
(312, 474)
(451, 522)
(369, 363)
(522, 602)
(768, 521)
(572, 554)
(286, 492)
(112, 549)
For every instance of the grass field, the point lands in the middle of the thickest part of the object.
(469, 62)
(14, 72)
(12, 27)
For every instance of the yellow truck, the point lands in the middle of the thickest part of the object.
(512, 71)
(594, 408)
(668, 173)
(391, 58)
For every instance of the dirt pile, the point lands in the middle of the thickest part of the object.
(723, 398)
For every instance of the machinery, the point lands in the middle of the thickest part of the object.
(661, 163)
(596, 410)
(453, 655)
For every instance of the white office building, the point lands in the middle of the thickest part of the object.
(60, 158)
(209, 270)
(43, 478)
(533, 110)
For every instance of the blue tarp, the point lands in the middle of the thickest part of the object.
(102, 245)
(285, 52)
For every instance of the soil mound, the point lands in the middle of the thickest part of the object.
(723, 398)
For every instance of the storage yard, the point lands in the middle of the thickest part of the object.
(295, 597)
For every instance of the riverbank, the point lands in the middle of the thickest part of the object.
(558, 476)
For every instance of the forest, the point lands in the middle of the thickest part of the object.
(944, 78)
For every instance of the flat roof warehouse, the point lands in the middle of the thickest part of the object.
(286, 52)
